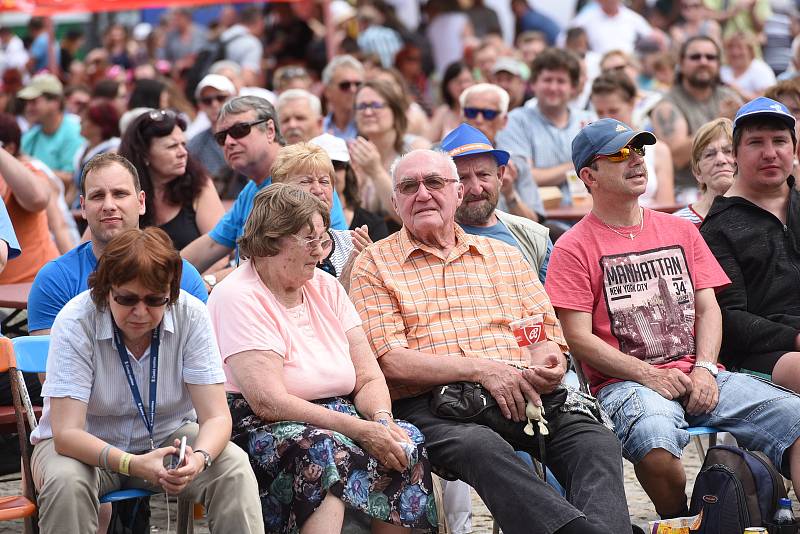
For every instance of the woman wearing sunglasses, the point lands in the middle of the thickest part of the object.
(382, 125)
(180, 198)
(132, 368)
(309, 401)
(310, 168)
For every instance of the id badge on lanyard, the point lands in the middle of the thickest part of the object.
(147, 418)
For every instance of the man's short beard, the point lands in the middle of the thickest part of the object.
(702, 84)
(475, 215)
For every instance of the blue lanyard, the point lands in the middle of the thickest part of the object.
(149, 421)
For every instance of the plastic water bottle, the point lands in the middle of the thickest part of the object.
(784, 520)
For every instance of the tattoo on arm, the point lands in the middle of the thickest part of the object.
(665, 118)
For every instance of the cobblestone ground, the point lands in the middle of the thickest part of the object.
(641, 508)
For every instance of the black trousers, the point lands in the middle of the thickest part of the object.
(584, 456)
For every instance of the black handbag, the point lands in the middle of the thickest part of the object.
(470, 402)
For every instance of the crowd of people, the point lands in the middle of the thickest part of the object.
(288, 254)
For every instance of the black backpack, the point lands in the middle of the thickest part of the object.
(735, 489)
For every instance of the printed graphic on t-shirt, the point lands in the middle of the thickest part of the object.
(650, 300)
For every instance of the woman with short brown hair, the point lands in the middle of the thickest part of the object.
(133, 368)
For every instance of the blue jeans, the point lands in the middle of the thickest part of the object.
(760, 415)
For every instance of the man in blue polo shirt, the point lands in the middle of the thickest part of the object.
(248, 130)
(111, 201)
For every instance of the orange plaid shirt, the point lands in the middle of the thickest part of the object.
(410, 296)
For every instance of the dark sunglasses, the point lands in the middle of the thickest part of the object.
(151, 301)
(698, 57)
(294, 72)
(623, 154)
(488, 114)
(208, 100)
(432, 183)
(237, 131)
(349, 85)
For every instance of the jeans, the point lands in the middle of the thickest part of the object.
(760, 415)
(584, 456)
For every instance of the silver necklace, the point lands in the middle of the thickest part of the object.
(629, 235)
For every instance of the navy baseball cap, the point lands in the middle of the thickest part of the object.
(605, 137)
(764, 107)
(469, 141)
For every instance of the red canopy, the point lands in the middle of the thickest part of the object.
(55, 7)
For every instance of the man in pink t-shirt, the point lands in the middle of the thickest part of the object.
(635, 292)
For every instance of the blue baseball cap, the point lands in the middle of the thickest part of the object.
(469, 141)
(604, 137)
(764, 107)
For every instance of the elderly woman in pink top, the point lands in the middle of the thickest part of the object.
(308, 400)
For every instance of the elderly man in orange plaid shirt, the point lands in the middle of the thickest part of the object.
(437, 304)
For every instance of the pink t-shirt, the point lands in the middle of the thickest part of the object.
(640, 292)
(310, 338)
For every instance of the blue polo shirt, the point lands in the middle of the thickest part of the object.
(64, 278)
(231, 226)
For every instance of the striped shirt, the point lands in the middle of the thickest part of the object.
(689, 214)
(410, 296)
(83, 364)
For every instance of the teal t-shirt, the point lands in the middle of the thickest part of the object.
(57, 151)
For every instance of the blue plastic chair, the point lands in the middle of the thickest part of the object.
(31, 357)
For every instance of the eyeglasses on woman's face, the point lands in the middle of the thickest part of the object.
(311, 243)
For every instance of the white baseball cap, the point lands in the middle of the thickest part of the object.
(334, 146)
(218, 82)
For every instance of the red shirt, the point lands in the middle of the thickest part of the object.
(640, 291)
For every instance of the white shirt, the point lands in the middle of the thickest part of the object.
(617, 32)
(758, 77)
(83, 364)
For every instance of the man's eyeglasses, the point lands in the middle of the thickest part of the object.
(623, 154)
(208, 100)
(374, 106)
(237, 131)
(432, 183)
(151, 301)
(488, 114)
(698, 57)
(349, 85)
(311, 243)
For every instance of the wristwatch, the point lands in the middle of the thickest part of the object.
(207, 461)
(211, 280)
(708, 366)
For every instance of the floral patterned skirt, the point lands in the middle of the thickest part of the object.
(296, 464)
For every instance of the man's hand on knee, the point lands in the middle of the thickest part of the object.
(669, 383)
(509, 388)
(705, 393)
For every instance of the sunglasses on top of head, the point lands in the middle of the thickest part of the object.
(623, 154)
(237, 131)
